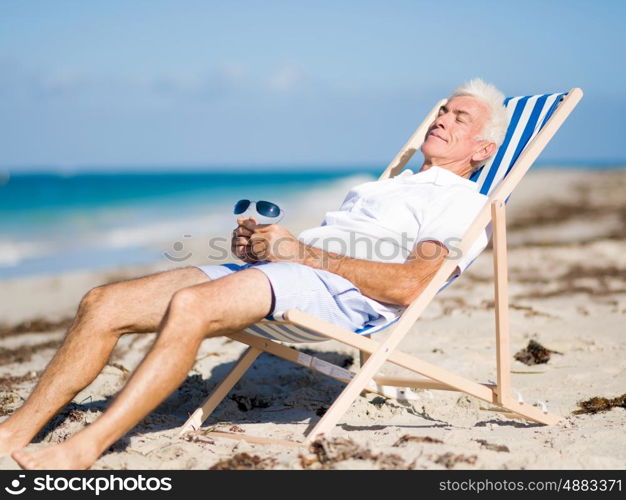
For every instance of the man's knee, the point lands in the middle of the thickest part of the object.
(187, 302)
(93, 298)
(193, 307)
(98, 309)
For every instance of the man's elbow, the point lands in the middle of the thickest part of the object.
(419, 274)
(409, 295)
(404, 302)
(413, 289)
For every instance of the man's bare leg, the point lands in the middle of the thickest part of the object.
(105, 313)
(210, 309)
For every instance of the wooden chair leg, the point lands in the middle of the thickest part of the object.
(198, 417)
(500, 264)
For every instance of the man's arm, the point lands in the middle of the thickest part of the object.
(393, 283)
(386, 282)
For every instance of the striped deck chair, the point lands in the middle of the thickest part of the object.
(533, 121)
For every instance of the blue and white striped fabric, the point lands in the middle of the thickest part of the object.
(527, 116)
(287, 332)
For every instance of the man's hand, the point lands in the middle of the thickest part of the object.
(240, 244)
(269, 242)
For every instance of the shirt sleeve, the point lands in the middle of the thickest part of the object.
(448, 218)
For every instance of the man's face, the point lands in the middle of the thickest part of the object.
(452, 136)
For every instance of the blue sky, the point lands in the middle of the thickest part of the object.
(128, 84)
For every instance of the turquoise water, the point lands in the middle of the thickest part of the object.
(52, 222)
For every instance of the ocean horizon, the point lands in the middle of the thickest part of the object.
(53, 222)
(242, 168)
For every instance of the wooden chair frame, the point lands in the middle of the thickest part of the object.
(375, 353)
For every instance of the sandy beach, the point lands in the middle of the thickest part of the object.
(567, 272)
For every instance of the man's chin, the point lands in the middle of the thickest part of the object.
(429, 151)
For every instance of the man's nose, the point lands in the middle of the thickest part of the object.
(441, 121)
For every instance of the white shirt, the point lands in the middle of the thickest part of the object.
(384, 220)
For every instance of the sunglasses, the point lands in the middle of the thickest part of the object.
(265, 208)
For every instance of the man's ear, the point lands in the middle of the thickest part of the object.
(486, 150)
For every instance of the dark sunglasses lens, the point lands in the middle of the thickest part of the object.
(267, 209)
(241, 206)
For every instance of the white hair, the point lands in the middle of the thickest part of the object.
(495, 128)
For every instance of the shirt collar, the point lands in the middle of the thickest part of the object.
(439, 176)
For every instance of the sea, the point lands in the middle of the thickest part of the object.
(53, 222)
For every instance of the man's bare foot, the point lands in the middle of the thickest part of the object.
(72, 454)
(11, 441)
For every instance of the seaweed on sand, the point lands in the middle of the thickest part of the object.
(534, 354)
(599, 404)
(244, 461)
(330, 452)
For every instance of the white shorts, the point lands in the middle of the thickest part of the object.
(322, 294)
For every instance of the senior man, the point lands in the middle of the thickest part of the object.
(347, 285)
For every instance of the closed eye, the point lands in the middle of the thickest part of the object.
(463, 116)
